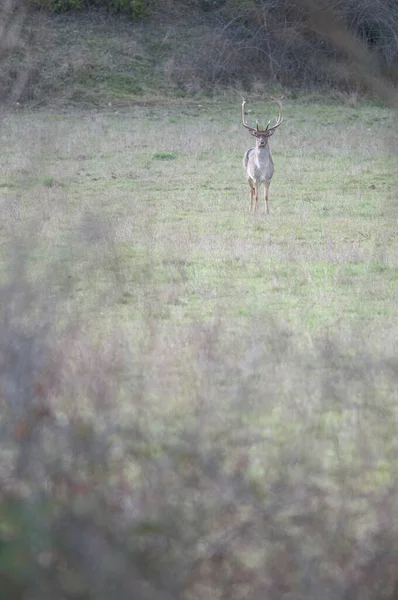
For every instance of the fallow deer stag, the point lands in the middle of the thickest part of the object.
(258, 161)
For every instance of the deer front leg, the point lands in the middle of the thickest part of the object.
(267, 184)
(252, 200)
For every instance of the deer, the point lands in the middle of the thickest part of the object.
(257, 161)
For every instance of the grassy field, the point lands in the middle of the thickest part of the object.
(142, 219)
(144, 215)
(272, 338)
(167, 184)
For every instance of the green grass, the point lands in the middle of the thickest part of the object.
(326, 255)
(151, 234)
(263, 341)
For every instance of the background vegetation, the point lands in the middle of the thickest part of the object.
(196, 402)
(196, 47)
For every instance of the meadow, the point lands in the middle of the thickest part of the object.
(258, 354)
(163, 193)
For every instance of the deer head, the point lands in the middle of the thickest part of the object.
(262, 135)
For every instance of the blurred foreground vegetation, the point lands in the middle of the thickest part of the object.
(191, 461)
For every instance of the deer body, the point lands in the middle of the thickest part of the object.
(257, 161)
(259, 168)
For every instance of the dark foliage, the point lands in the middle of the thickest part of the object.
(275, 39)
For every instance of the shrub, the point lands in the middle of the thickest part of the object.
(296, 44)
(58, 6)
(136, 9)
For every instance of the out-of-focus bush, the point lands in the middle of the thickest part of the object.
(237, 467)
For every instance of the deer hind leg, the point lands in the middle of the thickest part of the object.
(266, 190)
(252, 192)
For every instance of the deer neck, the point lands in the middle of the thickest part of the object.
(262, 154)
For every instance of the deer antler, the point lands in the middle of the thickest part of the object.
(268, 130)
(252, 130)
(280, 117)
